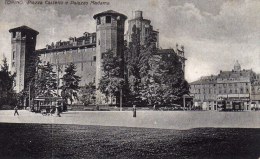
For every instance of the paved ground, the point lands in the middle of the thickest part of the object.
(145, 119)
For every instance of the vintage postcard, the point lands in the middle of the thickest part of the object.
(130, 79)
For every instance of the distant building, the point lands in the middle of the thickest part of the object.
(235, 86)
(86, 51)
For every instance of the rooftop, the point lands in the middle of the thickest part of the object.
(206, 80)
(24, 28)
(109, 12)
(180, 53)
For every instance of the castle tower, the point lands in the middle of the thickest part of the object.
(23, 43)
(145, 28)
(109, 36)
(180, 52)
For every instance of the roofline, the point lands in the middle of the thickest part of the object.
(107, 13)
(44, 50)
(21, 28)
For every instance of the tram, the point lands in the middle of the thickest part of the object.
(47, 104)
(230, 105)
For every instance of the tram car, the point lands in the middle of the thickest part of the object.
(226, 105)
(46, 104)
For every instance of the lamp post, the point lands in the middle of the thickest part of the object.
(121, 98)
(29, 95)
(184, 104)
(57, 113)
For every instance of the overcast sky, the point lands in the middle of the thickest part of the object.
(214, 33)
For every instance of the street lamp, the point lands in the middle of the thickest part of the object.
(29, 95)
(57, 113)
(121, 98)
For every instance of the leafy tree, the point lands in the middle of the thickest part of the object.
(173, 76)
(166, 83)
(112, 80)
(46, 81)
(88, 94)
(33, 64)
(138, 65)
(7, 95)
(70, 84)
(153, 78)
(132, 55)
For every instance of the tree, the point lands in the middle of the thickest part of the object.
(132, 56)
(33, 64)
(112, 80)
(166, 83)
(173, 77)
(88, 94)
(138, 65)
(7, 95)
(70, 84)
(153, 78)
(46, 81)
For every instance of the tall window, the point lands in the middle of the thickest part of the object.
(98, 21)
(13, 54)
(108, 19)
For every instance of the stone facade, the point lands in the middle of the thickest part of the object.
(234, 86)
(23, 41)
(86, 52)
(82, 55)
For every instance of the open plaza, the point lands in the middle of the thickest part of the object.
(144, 119)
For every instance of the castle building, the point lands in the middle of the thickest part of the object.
(86, 51)
(23, 41)
(235, 86)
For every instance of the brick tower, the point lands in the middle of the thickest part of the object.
(109, 36)
(23, 43)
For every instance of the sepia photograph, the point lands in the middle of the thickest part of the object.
(130, 79)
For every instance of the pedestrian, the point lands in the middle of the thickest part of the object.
(16, 110)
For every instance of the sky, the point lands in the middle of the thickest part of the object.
(214, 33)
